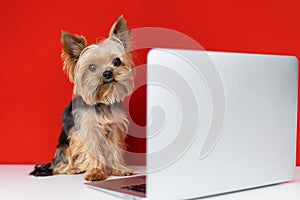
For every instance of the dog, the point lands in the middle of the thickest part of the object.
(92, 140)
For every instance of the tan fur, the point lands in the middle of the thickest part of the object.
(97, 141)
(99, 138)
(72, 47)
(87, 83)
(65, 167)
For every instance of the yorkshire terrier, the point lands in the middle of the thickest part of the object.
(92, 139)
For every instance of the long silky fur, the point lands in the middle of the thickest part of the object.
(94, 124)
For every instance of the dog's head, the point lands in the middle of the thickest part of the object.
(102, 72)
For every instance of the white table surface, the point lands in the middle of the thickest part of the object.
(16, 184)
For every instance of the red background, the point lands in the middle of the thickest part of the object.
(34, 90)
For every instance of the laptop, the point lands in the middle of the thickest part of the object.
(217, 122)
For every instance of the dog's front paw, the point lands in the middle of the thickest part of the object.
(95, 175)
(122, 172)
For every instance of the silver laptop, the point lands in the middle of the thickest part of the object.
(216, 122)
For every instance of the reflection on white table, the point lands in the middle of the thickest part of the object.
(16, 184)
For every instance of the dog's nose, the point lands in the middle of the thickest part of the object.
(107, 76)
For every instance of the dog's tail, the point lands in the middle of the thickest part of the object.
(60, 160)
(42, 170)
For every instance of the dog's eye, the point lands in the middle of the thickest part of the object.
(116, 62)
(93, 67)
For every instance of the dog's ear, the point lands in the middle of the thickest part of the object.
(72, 47)
(120, 30)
